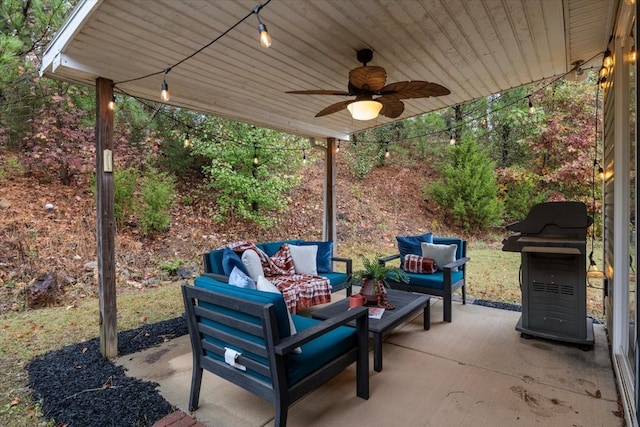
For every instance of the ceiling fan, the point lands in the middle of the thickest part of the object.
(367, 84)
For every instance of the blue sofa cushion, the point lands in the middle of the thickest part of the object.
(335, 279)
(323, 257)
(411, 244)
(271, 248)
(231, 259)
(319, 352)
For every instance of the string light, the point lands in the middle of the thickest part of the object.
(265, 38)
(608, 59)
(532, 109)
(187, 141)
(452, 139)
(164, 87)
(338, 147)
(112, 103)
(255, 155)
(386, 150)
(304, 157)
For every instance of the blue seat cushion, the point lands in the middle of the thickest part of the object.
(432, 280)
(322, 350)
(335, 278)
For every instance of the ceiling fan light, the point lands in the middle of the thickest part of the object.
(364, 110)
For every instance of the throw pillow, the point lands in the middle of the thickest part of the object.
(231, 259)
(304, 259)
(252, 262)
(240, 279)
(266, 286)
(323, 257)
(411, 244)
(442, 254)
(417, 264)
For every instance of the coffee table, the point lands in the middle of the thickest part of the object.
(406, 304)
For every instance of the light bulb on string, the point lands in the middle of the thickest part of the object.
(187, 141)
(255, 159)
(265, 38)
(338, 148)
(164, 91)
(452, 139)
(112, 103)
(607, 61)
(532, 109)
(386, 151)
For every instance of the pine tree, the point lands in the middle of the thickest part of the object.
(467, 190)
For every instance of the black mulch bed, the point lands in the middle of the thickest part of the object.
(77, 387)
(500, 305)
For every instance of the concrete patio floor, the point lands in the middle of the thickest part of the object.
(476, 371)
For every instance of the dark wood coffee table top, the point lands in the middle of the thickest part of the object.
(406, 304)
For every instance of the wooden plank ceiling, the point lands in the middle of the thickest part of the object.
(475, 48)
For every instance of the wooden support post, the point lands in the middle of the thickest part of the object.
(105, 222)
(329, 223)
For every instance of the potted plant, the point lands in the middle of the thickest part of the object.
(373, 280)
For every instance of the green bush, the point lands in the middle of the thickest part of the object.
(158, 189)
(362, 158)
(467, 190)
(124, 187)
(521, 194)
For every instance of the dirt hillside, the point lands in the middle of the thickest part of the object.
(36, 239)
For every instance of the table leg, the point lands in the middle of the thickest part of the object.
(427, 316)
(377, 352)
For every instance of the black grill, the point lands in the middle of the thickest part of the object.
(552, 242)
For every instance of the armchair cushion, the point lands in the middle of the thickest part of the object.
(417, 264)
(434, 280)
(442, 254)
(323, 256)
(320, 351)
(411, 244)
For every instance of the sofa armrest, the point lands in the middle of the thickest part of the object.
(348, 263)
(219, 277)
(386, 259)
(359, 314)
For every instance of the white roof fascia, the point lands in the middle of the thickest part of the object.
(67, 32)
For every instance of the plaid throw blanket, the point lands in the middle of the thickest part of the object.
(299, 290)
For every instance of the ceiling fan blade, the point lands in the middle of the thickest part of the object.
(391, 107)
(413, 89)
(319, 92)
(334, 108)
(368, 77)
